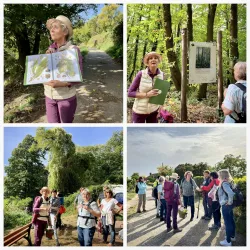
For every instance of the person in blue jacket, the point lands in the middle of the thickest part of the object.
(142, 187)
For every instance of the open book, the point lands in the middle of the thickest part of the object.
(63, 66)
(163, 88)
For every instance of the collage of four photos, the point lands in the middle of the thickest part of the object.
(98, 178)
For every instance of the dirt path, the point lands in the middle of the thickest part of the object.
(146, 230)
(99, 98)
(68, 236)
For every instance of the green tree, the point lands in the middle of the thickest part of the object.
(236, 165)
(164, 170)
(25, 174)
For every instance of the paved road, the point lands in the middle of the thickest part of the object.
(146, 230)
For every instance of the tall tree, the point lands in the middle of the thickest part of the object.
(190, 22)
(25, 174)
(171, 55)
(234, 36)
(210, 31)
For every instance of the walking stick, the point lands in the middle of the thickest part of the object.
(198, 206)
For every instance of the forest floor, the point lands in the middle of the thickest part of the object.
(99, 98)
(204, 111)
(68, 236)
(145, 229)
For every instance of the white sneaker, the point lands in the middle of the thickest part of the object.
(232, 238)
(225, 243)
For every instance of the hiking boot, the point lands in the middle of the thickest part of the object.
(214, 227)
(161, 219)
(203, 217)
(177, 230)
(58, 244)
(144, 210)
(110, 244)
(208, 218)
(157, 216)
(232, 238)
(192, 218)
(225, 243)
(139, 211)
(169, 229)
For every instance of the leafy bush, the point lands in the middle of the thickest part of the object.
(198, 180)
(240, 212)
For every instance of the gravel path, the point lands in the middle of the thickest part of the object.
(146, 230)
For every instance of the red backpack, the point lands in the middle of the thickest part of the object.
(170, 192)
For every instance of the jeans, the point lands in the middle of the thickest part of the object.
(207, 208)
(59, 221)
(216, 213)
(228, 215)
(53, 224)
(108, 229)
(142, 201)
(189, 201)
(173, 206)
(142, 118)
(163, 211)
(85, 235)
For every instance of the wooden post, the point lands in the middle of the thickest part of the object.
(184, 76)
(220, 71)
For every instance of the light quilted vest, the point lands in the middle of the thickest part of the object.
(142, 105)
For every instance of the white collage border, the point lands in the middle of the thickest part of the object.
(124, 124)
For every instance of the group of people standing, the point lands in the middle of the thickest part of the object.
(90, 211)
(47, 213)
(217, 195)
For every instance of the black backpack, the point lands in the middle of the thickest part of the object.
(136, 188)
(238, 197)
(155, 191)
(242, 116)
(191, 181)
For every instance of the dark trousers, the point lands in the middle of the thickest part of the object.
(108, 229)
(207, 208)
(142, 118)
(59, 221)
(189, 201)
(40, 227)
(228, 215)
(85, 236)
(163, 211)
(216, 213)
(174, 207)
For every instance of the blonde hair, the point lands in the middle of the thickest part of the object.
(225, 175)
(63, 27)
(167, 178)
(85, 190)
(188, 172)
(161, 179)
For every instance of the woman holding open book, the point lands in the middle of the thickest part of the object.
(60, 96)
(142, 88)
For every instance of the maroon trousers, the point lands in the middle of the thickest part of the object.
(40, 227)
(148, 118)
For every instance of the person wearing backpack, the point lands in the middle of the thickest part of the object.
(108, 212)
(155, 196)
(54, 211)
(226, 197)
(172, 197)
(188, 186)
(212, 198)
(86, 221)
(234, 105)
(59, 195)
(78, 198)
(161, 199)
(142, 188)
(41, 207)
(206, 205)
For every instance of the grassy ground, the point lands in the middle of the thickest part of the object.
(130, 195)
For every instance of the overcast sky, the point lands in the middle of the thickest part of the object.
(148, 148)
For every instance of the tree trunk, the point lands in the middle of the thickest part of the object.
(37, 43)
(210, 30)
(155, 44)
(178, 32)
(234, 36)
(229, 75)
(135, 51)
(171, 55)
(190, 22)
(23, 45)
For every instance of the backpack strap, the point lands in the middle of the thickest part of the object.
(242, 87)
(175, 188)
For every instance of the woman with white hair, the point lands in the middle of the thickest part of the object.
(86, 222)
(226, 196)
(142, 88)
(41, 210)
(60, 97)
(233, 104)
(161, 199)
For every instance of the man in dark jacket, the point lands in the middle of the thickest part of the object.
(207, 208)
